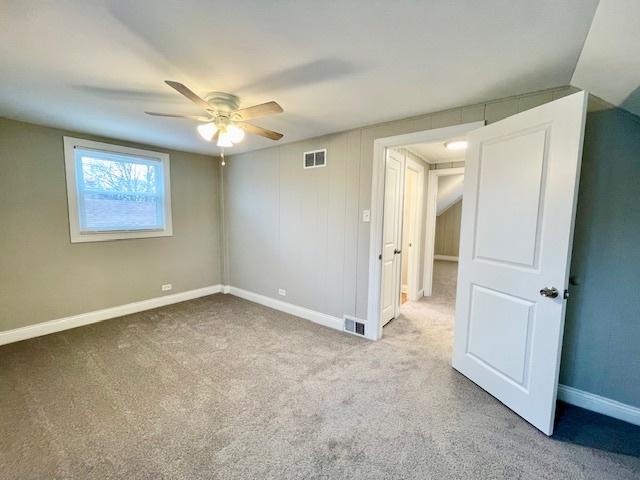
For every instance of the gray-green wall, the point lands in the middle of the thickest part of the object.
(44, 277)
(301, 230)
(602, 335)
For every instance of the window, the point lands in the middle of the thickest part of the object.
(315, 158)
(116, 192)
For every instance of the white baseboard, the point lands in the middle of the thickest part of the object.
(448, 258)
(567, 394)
(420, 293)
(330, 321)
(599, 404)
(60, 324)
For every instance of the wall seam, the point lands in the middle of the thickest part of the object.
(357, 240)
(224, 251)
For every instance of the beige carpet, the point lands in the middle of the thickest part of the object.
(220, 388)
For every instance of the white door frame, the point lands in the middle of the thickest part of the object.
(430, 224)
(374, 325)
(413, 263)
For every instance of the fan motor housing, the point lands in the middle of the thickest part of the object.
(222, 102)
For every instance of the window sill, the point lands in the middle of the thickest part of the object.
(120, 235)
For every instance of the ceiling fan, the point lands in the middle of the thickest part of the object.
(225, 122)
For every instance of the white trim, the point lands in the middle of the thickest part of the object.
(65, 323)
(430, 224)
(374, 330)
(448, 258)
(435, 162)
(599, 404)
(70, 143)
(330, 321)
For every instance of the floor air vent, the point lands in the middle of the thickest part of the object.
(353, 326)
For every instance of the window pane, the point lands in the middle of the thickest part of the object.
(119, 192)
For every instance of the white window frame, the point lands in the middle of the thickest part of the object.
(77, 236)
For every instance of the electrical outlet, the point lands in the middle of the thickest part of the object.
(282, 291)
(166, 287)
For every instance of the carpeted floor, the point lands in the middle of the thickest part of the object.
(591, 429)
(220, 388)
(445, 276)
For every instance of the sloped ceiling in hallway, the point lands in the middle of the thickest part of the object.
(449, 192)
(609, 65)
(96, 65)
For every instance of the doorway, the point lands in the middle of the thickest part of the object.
(377, 296)
(422, 205)
(443, 220)
(414, 174)
(444, 271)
(521, 179)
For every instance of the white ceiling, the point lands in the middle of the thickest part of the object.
(96, 66)
(609, 65)
(436, 152)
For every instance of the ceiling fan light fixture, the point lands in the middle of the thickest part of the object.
(207, 131)
(224, 140)
(235, 133)
(221, 114)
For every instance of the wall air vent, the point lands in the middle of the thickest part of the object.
(354, 326)
(315, 158)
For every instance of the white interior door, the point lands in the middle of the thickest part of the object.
(391, 235)
(521, 184)
(414, 186)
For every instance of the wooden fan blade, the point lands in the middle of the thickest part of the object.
(190, 117)
(263, 132)
(180, 88)
(262, 110)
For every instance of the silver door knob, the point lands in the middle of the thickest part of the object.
(549, 292)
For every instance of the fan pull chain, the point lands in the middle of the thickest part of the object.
(223, 163)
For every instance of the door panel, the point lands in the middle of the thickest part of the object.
(510, 168)
(520, 192)
(511, 317)
(391, 236)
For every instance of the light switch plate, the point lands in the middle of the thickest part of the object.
(366, 215)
